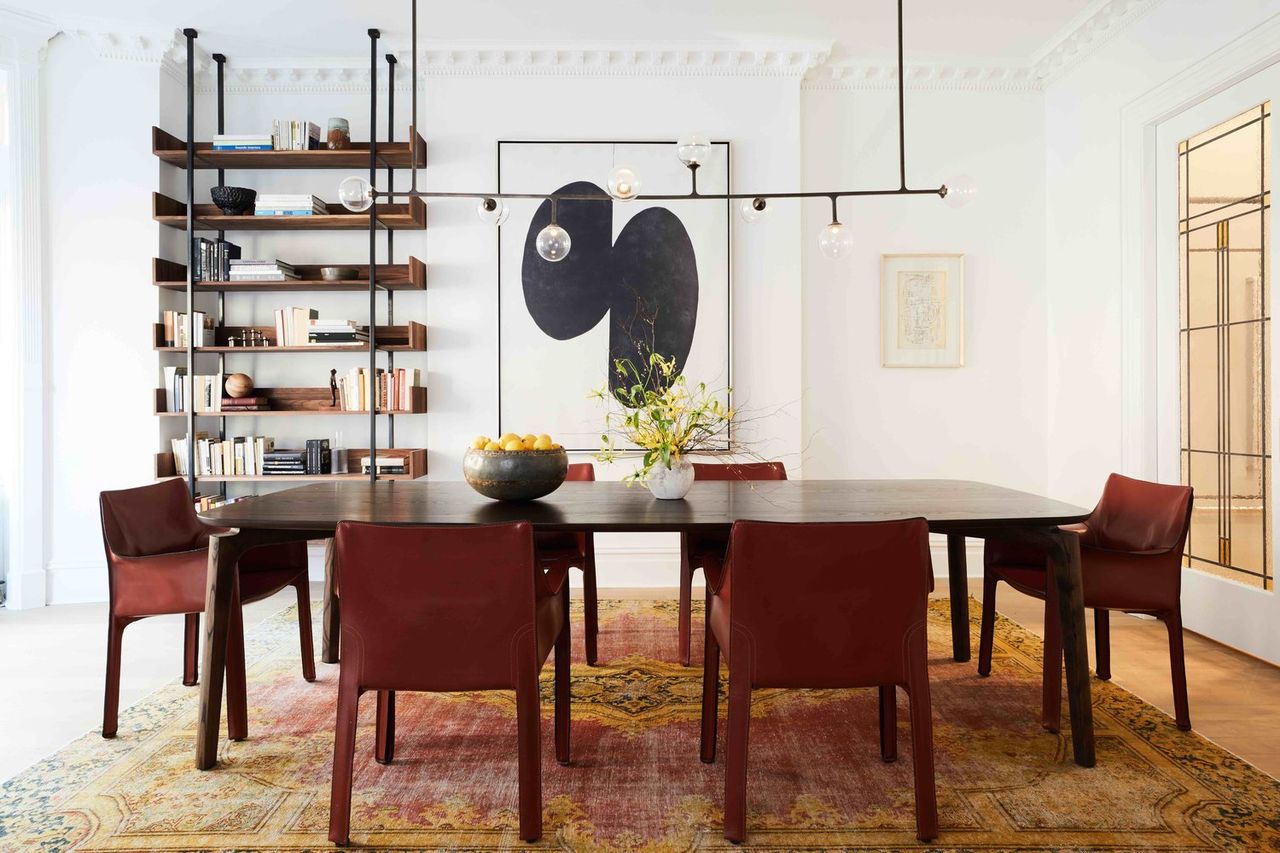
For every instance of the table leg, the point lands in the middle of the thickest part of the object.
(332, 619)
(958, 577)
(1064, 554)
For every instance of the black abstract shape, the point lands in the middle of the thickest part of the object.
(647, 282)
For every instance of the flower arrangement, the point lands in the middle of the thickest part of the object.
(662, 414)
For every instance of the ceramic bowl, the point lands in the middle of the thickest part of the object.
(234, 201)
(338, 273)
(520, 475)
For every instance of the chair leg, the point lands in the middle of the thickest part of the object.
(344, 752)
(590, 605)
(303, 586)
(987, 633)
(1102, 642)
(686, 600)
(384, 740)
(888, 722)
(1178, 668)
(735, 772)
(191, 649)
(563, 653)
(1051, 686)
(710, 690)
(529, 748)
(331, 616)
(237, 699)
(111, 700)
(921, 710)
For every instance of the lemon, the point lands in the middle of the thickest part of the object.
(479, 442)
(513, 444)
(493, 445)
(530, 438)
(557, 447)
(506, 437)
(543, 443)
(545, 437)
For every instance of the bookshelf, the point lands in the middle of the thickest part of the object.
(372, 279)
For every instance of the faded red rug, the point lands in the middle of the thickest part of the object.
(816, 781)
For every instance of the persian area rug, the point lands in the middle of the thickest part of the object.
(816, 780)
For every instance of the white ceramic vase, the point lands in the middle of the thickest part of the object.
(671, 484)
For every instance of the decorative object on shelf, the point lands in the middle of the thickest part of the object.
(333, 385)
(338, 273)
(239, 385)
(654, 409)
(922, 310)
(663, 283)
(233, 201)
(623, 182)
(517, 468)
(339, 134)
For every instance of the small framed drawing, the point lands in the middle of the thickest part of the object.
(922, 310)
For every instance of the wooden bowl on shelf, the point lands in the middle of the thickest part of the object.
(338, 273)
(515, 475)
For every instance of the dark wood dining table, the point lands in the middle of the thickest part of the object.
(956, 508)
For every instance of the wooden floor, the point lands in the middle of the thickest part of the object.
(52, 666)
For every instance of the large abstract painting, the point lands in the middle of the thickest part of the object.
(640, 277)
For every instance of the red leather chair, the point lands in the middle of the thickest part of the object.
(706, 550)
(158, 563)
(443, 609)
(562, 551)
(1130, 559)
(853, 616)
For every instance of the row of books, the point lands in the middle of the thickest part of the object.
(289, 204)
(255, 270)
(214, 259)
(207, 502)
(315, 458)
(285, 135)
(394, 389)
(253, 456)
(175, 328)
(206, 391)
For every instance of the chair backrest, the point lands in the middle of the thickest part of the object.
(826, 605)
(583, 472)
(155, 519)
(435, 608)
(739, 471)
(1138, 516)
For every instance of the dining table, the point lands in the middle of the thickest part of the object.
(958, 509)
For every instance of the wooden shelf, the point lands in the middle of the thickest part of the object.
(394, 217)
(410, 276)
(410, 338)
(417, 468)
(173, 151)
(295, 401)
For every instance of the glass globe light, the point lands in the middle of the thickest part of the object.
(553, 243)
(492, 211)
(960, 191)
(693, 149)
(754, 209)
(356, 193)
(624, 183)
(835, 241)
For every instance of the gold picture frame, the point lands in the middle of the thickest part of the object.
(922, 310)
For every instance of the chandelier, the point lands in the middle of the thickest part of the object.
(623, 184)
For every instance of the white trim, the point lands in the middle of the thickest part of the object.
(1084, 34)
(856, 77)
(1245, 56)
(76, 582)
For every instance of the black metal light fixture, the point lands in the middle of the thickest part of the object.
(623, 183)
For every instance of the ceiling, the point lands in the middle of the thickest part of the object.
(987, 31)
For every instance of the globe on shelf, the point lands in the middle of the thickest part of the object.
(835, 241)
(753, 209)
(624, 183)
(553, 243)
(693, 149)
(960, 191)
(492, 211)
(356, 193)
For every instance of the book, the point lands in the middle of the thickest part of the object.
(386, 465)
(265, 146)
(319, 458)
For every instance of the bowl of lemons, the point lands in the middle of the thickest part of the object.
(515, 467)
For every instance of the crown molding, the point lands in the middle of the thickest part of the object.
(23, 36)
(1087, 32)
(850, 77)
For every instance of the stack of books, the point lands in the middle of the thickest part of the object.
(386, 465)
(294, 135)
(243, 142)
(241, 456)
(316, 458)
(246, 404)
(337, 333)
(175, 328)
(288, 204)
(214, 259)
(250, 270)
(394, 389)
(293, 325)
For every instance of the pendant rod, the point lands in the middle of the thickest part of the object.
(392, 196)
(902, 121)
(413, 88)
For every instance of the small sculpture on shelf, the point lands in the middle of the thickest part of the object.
(239, 385)
(333, 386)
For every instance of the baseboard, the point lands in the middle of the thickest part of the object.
(25, 589)
(76, 582)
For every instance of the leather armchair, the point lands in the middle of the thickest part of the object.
(563, 551)
(1130, 559)
(706, 550)
(446, 609)
(158, 562)
(854, 616)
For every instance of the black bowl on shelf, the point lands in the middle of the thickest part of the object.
(520, 475)
(234, 201)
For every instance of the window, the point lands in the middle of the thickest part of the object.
(1223, 222)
